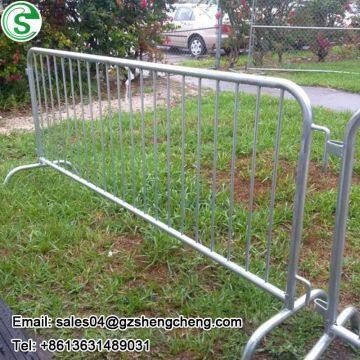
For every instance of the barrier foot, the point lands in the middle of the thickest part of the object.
(276, 320)
(34, 166)
(338, 330)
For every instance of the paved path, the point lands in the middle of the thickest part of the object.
(336, 100)
(328, 98)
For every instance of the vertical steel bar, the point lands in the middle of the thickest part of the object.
(299, 203)
(49, 145)
(168, 150)
(121, 140)
(38, 91)
(58, 92)
(183, 145)
(92, 127)
(144, 166)
(51, 90)
(44, 90)
(133, 173)
(102, 130)
(155, 128)
(252, 179)
(342, 210)
(76, 137)
(214, 170)
(232, 171)
(110, 113)
(34, 106)
(198, 160)
(67, 125)
(84, 135)
(273, 185)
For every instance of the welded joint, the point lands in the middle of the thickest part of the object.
(339, 330)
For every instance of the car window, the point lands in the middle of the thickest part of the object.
(184, 14)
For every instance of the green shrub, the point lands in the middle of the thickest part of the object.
(124, 28)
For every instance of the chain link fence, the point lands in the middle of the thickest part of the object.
(265, 35)
(304, 35)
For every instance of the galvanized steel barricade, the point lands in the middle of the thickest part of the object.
(164, 162)
(335, 323)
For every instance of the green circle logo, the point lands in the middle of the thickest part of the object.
(21, 21)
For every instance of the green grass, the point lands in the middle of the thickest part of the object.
(56, 236)
(348, 82)
(296, 60)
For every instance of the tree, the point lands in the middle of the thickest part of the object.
(124, 28)
(239, 12)
(276, 13)
(325, 13)
(54, 34)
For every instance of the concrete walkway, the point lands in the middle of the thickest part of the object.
(336, 100)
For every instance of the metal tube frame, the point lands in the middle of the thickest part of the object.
(334, 323)
(288, 296)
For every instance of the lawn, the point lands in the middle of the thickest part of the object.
(305, 61)
(67, 251)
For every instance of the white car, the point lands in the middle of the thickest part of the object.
(195, 28)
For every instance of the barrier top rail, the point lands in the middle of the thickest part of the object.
(248, 79)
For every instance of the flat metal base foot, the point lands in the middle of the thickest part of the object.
(276, 320)
(338, 330)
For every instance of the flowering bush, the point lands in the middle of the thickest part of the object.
(239, 12)
(321, 46)
(124, 28)
(325, 13)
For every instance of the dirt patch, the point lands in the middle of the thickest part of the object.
(124, 248)
(321, 180)
(24, 122)
(338, 351)
(318, 179)
(242, 182)
(318, 246)
(119, 248)
(242, 187)
(186, 355)
(146, 274)
(4, 252)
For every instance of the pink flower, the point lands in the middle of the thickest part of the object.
(15, 77)
(143, 4)
(322, 41)
(347, 7)
(246, 6)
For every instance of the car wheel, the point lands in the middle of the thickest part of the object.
(197, 46)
